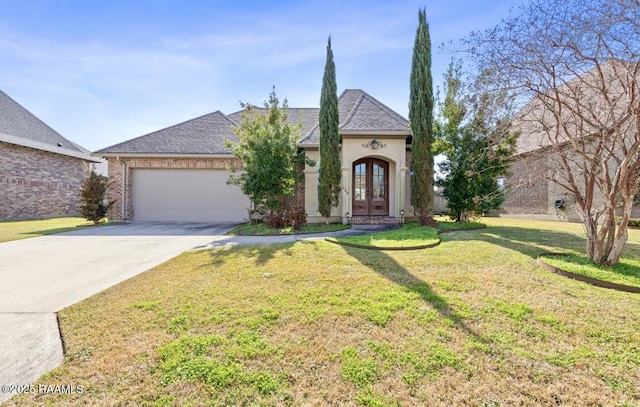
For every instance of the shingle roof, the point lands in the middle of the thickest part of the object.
(361, 112)
(308, 116)
(206, 134)
(21, 127)
(202, 135)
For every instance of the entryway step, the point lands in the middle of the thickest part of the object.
(374, 220)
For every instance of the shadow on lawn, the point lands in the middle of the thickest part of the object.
(529, 242)
(532, 242)
(45, 232)
(389, 268)
(260, 253)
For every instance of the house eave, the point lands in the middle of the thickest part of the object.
(159, 155)
(378, 133)
(309, 145)
(36, 145)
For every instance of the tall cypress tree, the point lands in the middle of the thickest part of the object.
(421, 122)
(328, 121)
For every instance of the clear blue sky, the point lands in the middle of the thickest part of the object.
(101, 72)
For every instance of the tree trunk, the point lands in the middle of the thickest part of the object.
(591, 230)
(621, 234)
(616, 250)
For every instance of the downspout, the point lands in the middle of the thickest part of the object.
(122, 190)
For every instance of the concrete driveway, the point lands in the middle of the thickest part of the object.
(43, 275)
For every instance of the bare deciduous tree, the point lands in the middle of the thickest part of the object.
(578, 64)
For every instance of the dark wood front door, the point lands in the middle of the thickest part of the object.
(370, 187)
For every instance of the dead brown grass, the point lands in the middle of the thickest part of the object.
(471, 322)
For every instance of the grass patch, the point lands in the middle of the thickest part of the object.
(216, 362)
(473, 321)
(626, 271)
(261, 229)
(445, 224)
(409, 235)
(360, 370)
(24, 229)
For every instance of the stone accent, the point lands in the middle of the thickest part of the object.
(38, 184)
(121, 180)
(526, 188)
(374, 220)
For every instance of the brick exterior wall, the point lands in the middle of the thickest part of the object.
(120, 174)
(38, 184)
(527, 187)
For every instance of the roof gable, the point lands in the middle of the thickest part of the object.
(361, 112)
(368, 114)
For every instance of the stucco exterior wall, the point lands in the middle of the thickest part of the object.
(355, 147)
(311, 187)
(38, 184)
(120, 188)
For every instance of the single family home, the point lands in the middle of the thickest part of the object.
(40, 171)
(179, 173)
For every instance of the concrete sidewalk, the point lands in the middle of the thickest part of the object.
(230, 241)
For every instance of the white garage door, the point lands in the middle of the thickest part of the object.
(187, 195)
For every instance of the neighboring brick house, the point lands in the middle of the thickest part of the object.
(179, 173)
(549, 132)
(40, 171)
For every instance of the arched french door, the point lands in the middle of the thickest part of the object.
(370, 187)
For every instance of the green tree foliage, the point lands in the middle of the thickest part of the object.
(421, 122)
(474, 134)
(328, 122)
(93, 197)
(268, 149)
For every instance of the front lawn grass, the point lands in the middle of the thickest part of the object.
(409, 235)
(261, 229)
(23, 229)
(472, 321)
(626, 271)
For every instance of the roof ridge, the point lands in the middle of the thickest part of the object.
(309, 133)
(265, 108)
(353, 110)
(225, 117)
(392, 113)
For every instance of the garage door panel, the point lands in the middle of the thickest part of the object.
(187, 195)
